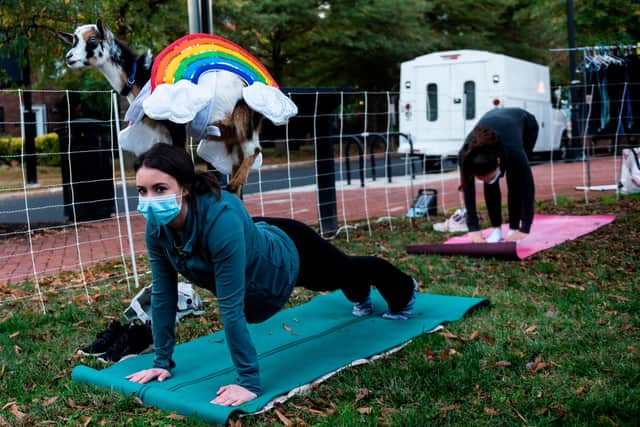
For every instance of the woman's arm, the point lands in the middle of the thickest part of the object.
(228, 252)
(164, 300)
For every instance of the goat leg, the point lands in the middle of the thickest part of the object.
(241, 173)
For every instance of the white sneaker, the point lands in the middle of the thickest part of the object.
(456, 223)
(361, 309)
(495, 236)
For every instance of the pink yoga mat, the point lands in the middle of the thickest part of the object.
(546, 231)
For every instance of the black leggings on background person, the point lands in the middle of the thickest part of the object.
(323, 267)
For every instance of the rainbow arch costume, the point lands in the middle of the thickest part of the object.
(183, 89)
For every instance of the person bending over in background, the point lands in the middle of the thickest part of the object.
(251, 265)
(500, 145)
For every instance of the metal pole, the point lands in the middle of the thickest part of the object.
(29, 118)
(193, 7)
(206, 16)
(572, 151)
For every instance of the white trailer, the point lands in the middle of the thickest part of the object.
(443, 94)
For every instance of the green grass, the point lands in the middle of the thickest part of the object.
(559, 344)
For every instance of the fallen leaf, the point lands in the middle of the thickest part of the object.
(87, 420)
(16, 411)
(503, 364)
(449, 335)
(450, 408)
(490, 411)
(13, 335)
(485, 338)
(365, 411)
(619, 297)
(17, 349)
(385, 411)
(531, 329)
(362, 393)
(286, 421)
(9, 404)
(176, 417)
(580, 390)
(50, 401)
(474, 335)
(73, 405)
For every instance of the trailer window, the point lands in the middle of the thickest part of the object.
(432, 102)
(470, 100)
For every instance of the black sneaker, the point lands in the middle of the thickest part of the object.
(104, 340)
(135, 339)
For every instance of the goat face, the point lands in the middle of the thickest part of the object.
(91, 46)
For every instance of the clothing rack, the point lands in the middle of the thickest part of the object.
(587, 48)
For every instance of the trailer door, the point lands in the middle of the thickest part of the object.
(433, 90)
(469, 98)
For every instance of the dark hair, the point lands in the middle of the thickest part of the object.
(175, 161)
(480, 155)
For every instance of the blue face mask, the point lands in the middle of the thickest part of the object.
(159, 210)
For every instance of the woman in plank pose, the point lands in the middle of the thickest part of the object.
(251, 265)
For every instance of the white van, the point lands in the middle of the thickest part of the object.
(443, 94)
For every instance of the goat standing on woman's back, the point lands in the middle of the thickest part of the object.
(233, 142)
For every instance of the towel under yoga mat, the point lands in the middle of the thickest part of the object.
(546, 231)
(295, 347)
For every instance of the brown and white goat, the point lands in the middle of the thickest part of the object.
(239, 125)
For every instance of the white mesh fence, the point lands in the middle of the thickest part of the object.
(333, 166)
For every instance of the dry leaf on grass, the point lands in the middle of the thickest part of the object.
(286, 421)
(175, 417)
(490, 411)
(503, 364)
(13, 407)
(49, 401)
(365, 411)
(531, 329)
(485, 338)
(73, 405)
(619, 297)
(474, 335)
(362, 393)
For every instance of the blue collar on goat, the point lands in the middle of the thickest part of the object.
(132, 79)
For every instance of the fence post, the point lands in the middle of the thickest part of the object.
(353, 138)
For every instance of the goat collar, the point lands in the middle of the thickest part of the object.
(132, 79)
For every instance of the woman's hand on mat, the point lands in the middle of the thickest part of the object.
(233, 395)
(147, 375)
(515, 236)
(476, 237)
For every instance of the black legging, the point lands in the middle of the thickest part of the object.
(323, 267)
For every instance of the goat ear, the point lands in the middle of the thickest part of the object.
(65, 37)
(241, 119)
(105, 33)
(100, 27)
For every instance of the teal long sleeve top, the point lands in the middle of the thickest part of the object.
(250, 267)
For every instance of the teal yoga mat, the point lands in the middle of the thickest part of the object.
(295, 347)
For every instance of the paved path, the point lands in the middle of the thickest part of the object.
(74, 248)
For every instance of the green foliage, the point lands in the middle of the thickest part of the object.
(321, 43)
(48, 146)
